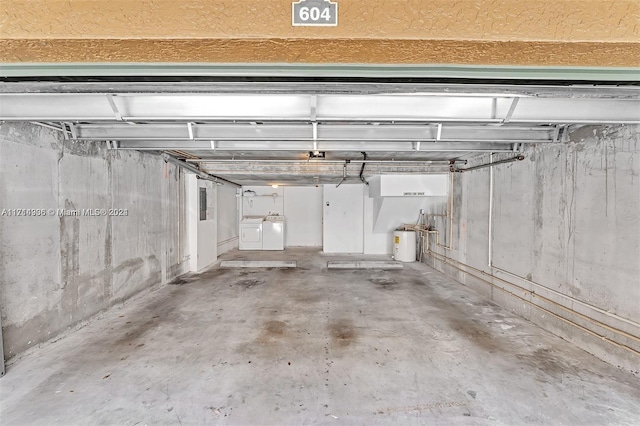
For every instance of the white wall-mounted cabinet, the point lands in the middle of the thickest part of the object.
(435, 185)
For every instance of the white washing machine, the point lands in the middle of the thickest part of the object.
(273, 233)
(251, 233)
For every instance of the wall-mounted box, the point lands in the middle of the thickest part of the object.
(432, 185)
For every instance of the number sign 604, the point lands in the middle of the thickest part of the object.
(314, 14)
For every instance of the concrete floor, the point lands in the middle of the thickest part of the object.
(311, 346)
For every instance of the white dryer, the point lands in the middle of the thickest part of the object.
(273, 233)
(251, 233)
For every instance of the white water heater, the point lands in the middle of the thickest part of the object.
(404, 246)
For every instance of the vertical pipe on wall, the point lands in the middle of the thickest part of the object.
(450, 242)
(449, 216)
(1, 352)
(490, 232)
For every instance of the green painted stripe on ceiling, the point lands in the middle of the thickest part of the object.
(312, 70)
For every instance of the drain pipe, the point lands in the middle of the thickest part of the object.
(481, 166)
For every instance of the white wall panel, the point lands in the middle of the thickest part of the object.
(203, 246)
(266, 200)
(303, 213)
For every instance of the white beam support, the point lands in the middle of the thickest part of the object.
(316, 132)
(114, 107)
(190, 130)
(512, 109)
(314, 107)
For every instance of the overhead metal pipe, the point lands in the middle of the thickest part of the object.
(320, 161)
(202, 175)
(482, 166)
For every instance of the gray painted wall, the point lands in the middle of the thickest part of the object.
(57, 271)
(565, 238)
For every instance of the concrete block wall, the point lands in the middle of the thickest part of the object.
(56, 271)
(562, 244)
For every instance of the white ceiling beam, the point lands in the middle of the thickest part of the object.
(273, 107)
(336, 146)
(269, 134)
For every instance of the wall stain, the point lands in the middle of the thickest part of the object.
(80, 289)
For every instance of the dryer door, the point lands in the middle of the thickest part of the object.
(251, 236)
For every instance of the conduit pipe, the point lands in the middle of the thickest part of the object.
(364, 163)
(490, 164)
(490, 227)
(425, 229)
(320, 161)
(449, 261)
(202, 175)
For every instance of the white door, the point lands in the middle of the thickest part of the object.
(343, 219)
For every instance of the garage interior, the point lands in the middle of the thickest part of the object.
(242, 235)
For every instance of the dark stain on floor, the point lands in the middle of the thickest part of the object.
(476, 333)
(421, 282)
(212, 273)
(275, 328)
(342, 332)
(308, 298)
(249, 283)
(384, 283)
(270, 340)
(158, 310)
(288, 271)
(184, 279)
(545, 360)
